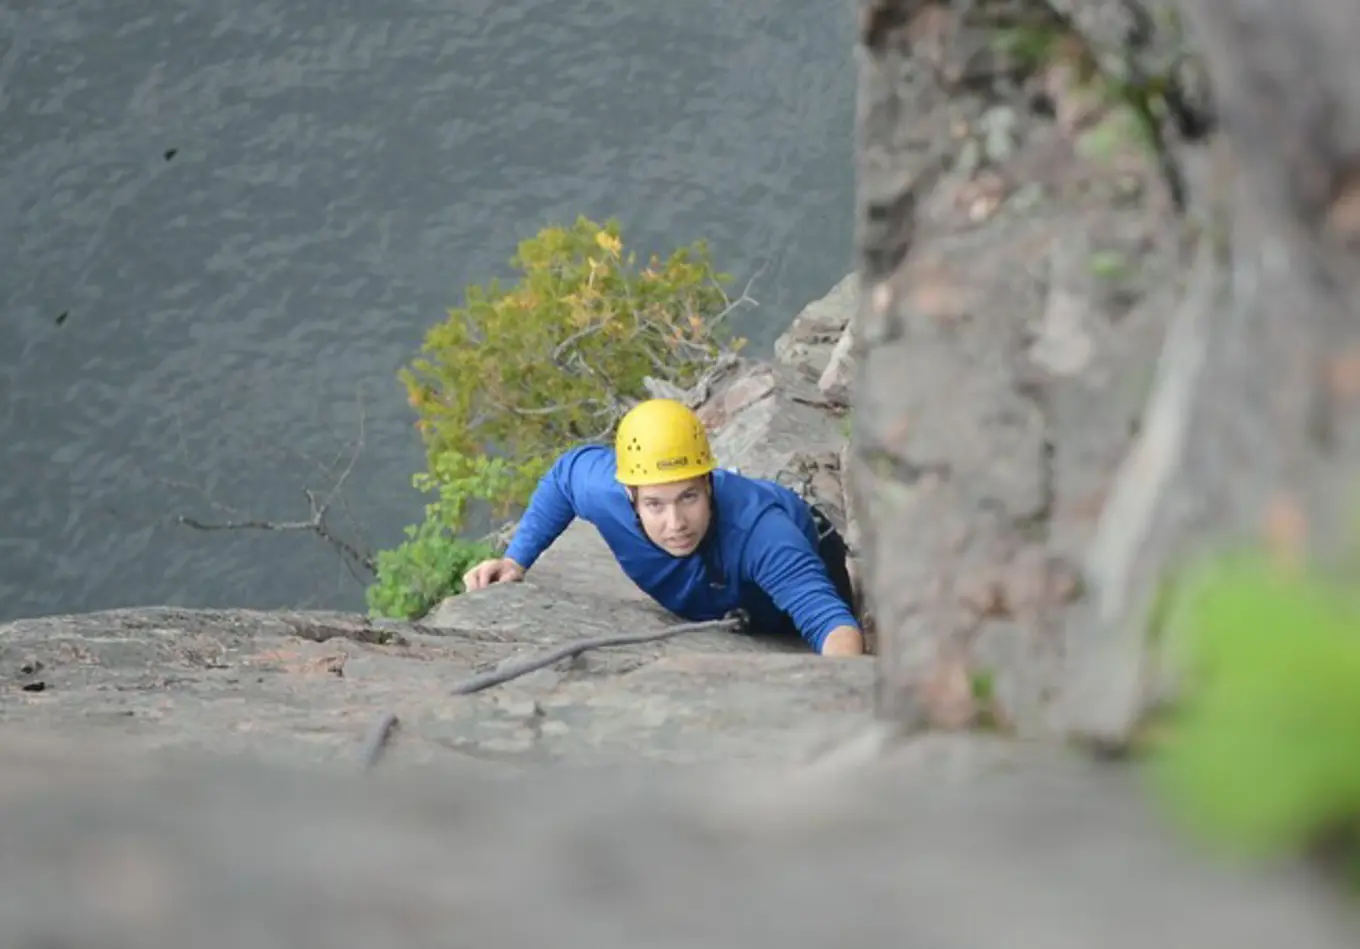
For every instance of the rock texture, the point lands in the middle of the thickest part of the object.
(1087, 236)
(821, 340)
(309, 685)
(1019, 285)
(944, 847)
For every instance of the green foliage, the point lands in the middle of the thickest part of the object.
(1132, 106)
(1122, 127)
(1262, 752)
(983, 685)
(1032, 45)
(428, 566)
(531, 369)
(522, 372)
(847, 425)
(1109, 265)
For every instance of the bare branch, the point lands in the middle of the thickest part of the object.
(699, 393)
(573, 339)
(362, 541)
(612, 419)
(671, 359)
(244, 525)
(745, 297)
(543, 410)
(351, 555)
(315, 524)
(353, 457)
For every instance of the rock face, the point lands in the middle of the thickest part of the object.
(1029, 348)
(811, 341)
(821, 340)
(1085, 247)
(309, 685)
(937, 848)
(174, 777)
(1019, 284)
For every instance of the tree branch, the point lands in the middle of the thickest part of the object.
(745, 297)
(351, 555)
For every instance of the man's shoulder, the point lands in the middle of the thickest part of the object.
(761, 493)
(757, 505)
(594, 462)
(734, 482)
(590, 475)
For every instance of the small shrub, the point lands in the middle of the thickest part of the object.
(1131, 106)
(428, 566)
(1262, 752)
(520, 373)
(1032, 45)
(1109, 265)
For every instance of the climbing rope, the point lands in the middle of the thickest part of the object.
(485, 680)
(800, 483)
(375, 742)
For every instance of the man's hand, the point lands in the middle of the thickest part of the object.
(843, 641)
(500, 570)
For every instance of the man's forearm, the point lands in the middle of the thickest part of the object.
(843, 641)
(548, 514)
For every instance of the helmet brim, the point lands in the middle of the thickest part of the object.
(664, 477)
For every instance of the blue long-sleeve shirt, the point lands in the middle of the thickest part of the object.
(760, 553)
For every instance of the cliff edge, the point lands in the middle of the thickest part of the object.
(194, 777)
(1051, 344)
(310, 684)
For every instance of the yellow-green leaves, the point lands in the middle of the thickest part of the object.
(522, 371)
(528, 369)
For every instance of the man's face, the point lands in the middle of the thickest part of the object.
(675, 516)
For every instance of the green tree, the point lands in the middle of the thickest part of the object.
(522, 372)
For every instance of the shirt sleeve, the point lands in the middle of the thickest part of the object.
(551, 509)
(779, 559)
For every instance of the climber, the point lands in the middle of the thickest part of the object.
(698, 539)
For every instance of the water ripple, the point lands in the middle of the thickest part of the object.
(248, 213)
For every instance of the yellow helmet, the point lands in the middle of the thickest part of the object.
(661, 440)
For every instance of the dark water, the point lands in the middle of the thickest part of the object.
(225, 225)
